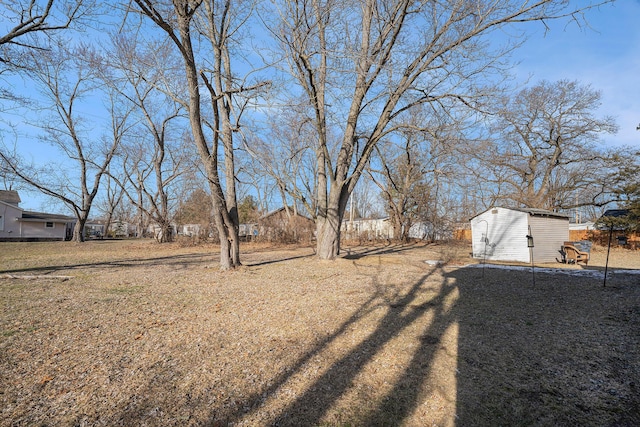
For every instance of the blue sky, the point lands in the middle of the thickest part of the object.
(606, 55)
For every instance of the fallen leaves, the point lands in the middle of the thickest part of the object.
(46, 379)
(170, 342)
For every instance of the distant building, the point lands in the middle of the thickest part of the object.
(583, 226)
(121, 229)
(283, 225)
(17, 224)
(248, 231)
(616, 219)
(369, 229)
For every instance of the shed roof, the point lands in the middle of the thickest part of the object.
(542, 212)
(532, 212)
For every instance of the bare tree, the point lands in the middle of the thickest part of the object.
(25, 21)
(31, 26)
(285, 154)
(8, 179)
(151, 172)
(369, 62)
(545, 146)
(621, 185)
(64, 77)
(365, 201)
(628, 189)
(415, 166)
(219, 22)
(402, 181)
(113, 195)
(155, 156)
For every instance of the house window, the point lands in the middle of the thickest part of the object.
(48, 224)
(1, 223)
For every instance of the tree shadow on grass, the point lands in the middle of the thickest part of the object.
(276, 260)
(354, 253)
(177, 261)
(402, 312)
(181, 260)
(565, 351)
(146, 402)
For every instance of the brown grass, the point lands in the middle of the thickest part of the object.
(149, 334)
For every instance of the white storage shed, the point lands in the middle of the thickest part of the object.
(500, 234)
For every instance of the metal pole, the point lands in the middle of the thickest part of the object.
(533, 272)
(485, 240)
(606, 265)
(530, 244)
(484, 256)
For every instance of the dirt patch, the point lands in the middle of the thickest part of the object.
(146, 334)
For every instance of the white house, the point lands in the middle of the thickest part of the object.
(423, 230)
(500, 234)
(367, 228)
(18, 224)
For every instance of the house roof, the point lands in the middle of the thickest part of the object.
(613, 219)
(40, 217)
(10, 196)
(615, 213)
(282, 209)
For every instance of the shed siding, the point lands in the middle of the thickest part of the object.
(548, 236)
(506, 231)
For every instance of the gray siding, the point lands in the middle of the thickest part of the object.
(10, 225)
(38, 230)
(548, 235)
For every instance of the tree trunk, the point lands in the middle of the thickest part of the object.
(166, 233)
(328, 223)
(226, 260)
(234, 246)
(165, 227)
(224, 83)
(107, 224)
(140, 217)
(328, 235)
(78, 230)
(400, 228)
(231, 219)
(229, 244)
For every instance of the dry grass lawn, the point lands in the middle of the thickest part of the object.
(125, 333)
